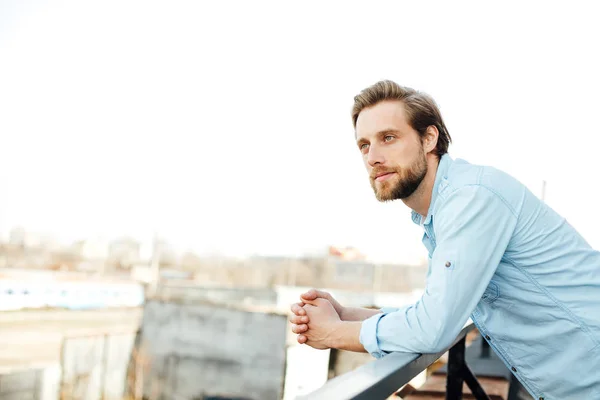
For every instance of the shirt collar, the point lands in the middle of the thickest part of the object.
(441, 174)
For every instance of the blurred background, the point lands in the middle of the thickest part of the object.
(174, 174)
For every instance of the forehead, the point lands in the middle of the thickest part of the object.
(385, 115)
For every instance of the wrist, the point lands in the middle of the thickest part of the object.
(345, 335)
(343, 313)
(336, 336)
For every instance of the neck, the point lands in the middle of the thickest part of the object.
(420, 200)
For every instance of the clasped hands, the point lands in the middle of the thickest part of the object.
(317, 319)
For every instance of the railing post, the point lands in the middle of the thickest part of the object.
(459, 373)
(485, 348)
(456, 361)
(473, 384)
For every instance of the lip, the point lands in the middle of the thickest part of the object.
(384, 176)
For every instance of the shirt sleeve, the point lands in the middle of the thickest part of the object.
(473, 228)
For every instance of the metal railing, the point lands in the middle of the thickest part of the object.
(383, 377)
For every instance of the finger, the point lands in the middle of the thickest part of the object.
(314, 302)
(313, 294)
(297, 309)
(299, 328)
(296, 319)
(302, 339)
(310, 295)
(308, 306)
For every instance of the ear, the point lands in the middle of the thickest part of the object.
(430, 138)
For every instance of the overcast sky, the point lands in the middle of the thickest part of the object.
(225, 126)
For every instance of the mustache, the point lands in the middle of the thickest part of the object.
(380, 171)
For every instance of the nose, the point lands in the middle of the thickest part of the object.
(375, 156)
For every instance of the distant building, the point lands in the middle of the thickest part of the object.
(346, 253)
(167, 254)
(124, 251)
(91, 249)
(19, 236)
(353, 273)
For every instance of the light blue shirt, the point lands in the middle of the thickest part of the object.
(527, 279)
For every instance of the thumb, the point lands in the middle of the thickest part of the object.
(316, 302)
(310, 295)
(311, 302)
(313, 294)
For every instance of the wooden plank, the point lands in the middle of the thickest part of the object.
(440, 396)
(496, 389)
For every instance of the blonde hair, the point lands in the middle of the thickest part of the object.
(421, 110)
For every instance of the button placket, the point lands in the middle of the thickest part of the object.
(498, 350)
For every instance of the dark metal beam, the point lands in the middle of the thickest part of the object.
(380, 378)
(473, 384)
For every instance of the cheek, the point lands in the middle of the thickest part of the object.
(406, 156)
(404, 153)
(365, 161)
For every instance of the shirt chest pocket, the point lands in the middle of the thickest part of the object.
(492, 292)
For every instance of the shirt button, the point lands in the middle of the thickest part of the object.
(541, 398)
(487, 337)
(448, 263)
(513, 369)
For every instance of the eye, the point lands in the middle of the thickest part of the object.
(388, 138)
(363, 146)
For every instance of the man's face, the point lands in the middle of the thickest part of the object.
(392, 150)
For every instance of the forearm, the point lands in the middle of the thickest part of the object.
(357, 314)
(346, 336)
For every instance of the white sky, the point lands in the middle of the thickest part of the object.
(225, 125)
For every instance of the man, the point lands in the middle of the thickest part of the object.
(497, 254)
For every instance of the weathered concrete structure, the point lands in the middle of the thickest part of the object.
(192, 351)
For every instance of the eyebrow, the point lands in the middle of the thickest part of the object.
(386, 131)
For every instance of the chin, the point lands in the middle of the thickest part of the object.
(384, 196)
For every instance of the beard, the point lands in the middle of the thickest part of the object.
(403, 184)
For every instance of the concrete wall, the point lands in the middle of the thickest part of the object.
(342, 361)
(40, 383)
(220, 295)
(91, 368)
(22, 385)
(95, 367)
(194, 351)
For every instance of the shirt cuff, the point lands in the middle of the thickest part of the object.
(368, 334)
